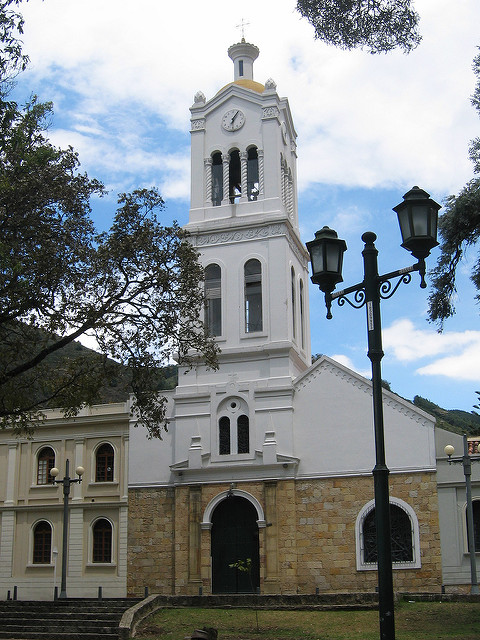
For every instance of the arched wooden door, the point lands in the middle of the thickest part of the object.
(234, 538)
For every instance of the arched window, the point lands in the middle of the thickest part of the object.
(42, 543)
(213, 299)
(476, 525)
(102, 541)
(224, 435)
(252, 174)
(243, 434)
(401, 531)
(235, 176)
(293, 296)
(104, 459)
(302, 315)
(217, 179)
(45, 463)
(233, 427)
(253, 296)
(404, 532)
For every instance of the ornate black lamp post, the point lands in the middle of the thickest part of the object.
(66, 482)
(417, 216)
(467, 460)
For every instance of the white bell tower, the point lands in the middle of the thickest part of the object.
(244, 222)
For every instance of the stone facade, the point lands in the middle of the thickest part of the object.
(308, 541)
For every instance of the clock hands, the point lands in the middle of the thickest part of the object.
(233, 119)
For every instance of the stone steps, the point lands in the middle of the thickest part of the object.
(63, 619)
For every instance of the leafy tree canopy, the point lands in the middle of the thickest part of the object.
(459, 229)
(12, 58)
(376, 25)
(135, 288)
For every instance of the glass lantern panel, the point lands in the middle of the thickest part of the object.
(333, 257)
(420, 220)
(316, 255)
(403, 219)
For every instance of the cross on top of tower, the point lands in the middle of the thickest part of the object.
(242, 26)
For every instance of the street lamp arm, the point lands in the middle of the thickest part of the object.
(386, 289)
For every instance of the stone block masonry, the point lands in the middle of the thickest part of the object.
(308, 542)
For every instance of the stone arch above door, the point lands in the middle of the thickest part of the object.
(210, 508)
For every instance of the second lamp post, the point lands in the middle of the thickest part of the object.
(417, 216)
(66, 482)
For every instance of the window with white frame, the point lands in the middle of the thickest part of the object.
(294, 302)
(476, 525)
(302, 315)
(253, 296)
(104, 460)
(42, 543)
(404, 534)
(233, 427)
(102, 541)
(45, 463)
(213, 299)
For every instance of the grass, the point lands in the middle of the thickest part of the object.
(413, 621)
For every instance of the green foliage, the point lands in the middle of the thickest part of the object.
(377, 25)
(12, 58)
(459, 229)
(477, 406)
(454, 420)
(474, 150)
(242, 565)
(245, 566)
(135, 289)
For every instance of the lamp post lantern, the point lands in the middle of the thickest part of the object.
(417, 216)
(466, 461)
(66, 482)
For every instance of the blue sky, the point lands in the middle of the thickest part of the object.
(122, 77)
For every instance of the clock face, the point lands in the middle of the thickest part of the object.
(233, 120)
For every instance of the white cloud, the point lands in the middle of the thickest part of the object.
(361, 119)
(454, 355)
(348, 362)
(122, 76)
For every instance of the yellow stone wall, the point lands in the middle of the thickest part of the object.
(151, 540)
(308, 543)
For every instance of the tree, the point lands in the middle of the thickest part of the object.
(377, 25)
(459, 229)
(135, 288)
(12, 58)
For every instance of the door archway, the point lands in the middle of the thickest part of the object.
(234, 537)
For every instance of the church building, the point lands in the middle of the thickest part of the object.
(268, 460)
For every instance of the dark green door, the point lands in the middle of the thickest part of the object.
(234, 538)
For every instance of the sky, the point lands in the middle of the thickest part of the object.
(122, 76)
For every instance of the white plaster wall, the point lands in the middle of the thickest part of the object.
(150, 459)
(334, 432)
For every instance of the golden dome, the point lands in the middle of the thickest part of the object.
(248, 84)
